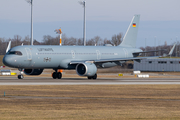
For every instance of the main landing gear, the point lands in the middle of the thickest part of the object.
(57, 74)
(21, 74)
(92, 77)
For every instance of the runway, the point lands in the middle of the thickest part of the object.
(8, 80)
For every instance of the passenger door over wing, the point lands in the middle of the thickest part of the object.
(98, 54)
(73, 54)
(29, 54)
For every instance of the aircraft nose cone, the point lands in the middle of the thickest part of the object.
(7, 61)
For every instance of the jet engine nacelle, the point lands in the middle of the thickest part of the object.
(86, 69)
(33, 71)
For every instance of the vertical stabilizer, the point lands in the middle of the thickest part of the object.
(130, 37)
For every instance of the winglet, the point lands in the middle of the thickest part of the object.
(9, 47)
(172, 49)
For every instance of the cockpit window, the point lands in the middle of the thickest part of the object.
(14, 53)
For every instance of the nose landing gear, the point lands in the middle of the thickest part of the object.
(21, 74)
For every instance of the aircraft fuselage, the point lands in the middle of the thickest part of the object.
(44, 57)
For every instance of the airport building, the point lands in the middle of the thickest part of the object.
(158, 65)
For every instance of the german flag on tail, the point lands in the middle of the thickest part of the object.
(134, 25)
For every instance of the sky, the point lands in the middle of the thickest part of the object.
(160, 19)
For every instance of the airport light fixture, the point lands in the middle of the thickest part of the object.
(155, 45)
(84, 31)
(31, 2)
(58, 31)
(159, 42)
(176, 45)
(145, 46)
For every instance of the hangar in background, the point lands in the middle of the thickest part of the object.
(158, 65)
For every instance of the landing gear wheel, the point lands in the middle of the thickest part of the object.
(92, 77)
(54, 75)
(20, 76)
(59, 75)
(95, 76)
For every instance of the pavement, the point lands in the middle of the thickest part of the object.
(13, 80)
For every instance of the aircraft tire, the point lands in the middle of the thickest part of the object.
(92, 77)
(54, 75)
(59, 75)
(95, 76)
(20, 76)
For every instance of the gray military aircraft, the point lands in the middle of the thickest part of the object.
(84, 59)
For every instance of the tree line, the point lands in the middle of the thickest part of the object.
(115, 40)
(49, 40)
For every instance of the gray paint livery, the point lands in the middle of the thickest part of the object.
(61, 56)
(85, 59)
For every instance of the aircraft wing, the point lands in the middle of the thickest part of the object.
(112, 60)
(124, 59)
(172, 49)
(135, 54)
(149, 51)
(170, 52)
